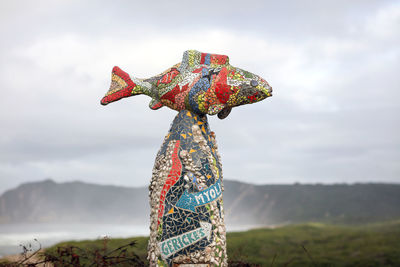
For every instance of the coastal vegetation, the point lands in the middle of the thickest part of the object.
(309, 244)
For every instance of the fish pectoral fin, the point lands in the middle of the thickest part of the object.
(224, 113)
(219, 109)
(215, 109)
(155, 104)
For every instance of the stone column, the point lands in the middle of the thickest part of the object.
(187, 218)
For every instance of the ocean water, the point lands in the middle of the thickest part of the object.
(13, 235)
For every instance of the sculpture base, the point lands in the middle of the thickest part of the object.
(187, 219)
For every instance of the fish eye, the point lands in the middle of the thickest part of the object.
(253, 83)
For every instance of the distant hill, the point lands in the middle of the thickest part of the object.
(339, 203)
(48, 201)
(51, 202)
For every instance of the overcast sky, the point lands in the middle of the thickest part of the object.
(334, 67)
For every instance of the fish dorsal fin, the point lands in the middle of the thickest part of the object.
(193, 59)
(155, 104)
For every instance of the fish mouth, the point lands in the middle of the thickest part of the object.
(270, 91)
(267, 93)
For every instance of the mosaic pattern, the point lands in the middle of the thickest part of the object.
(187, 218)
(202, 83)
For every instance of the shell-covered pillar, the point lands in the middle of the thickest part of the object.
(187, 218)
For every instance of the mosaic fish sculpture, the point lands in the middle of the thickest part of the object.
(202, 83)
(187, 217)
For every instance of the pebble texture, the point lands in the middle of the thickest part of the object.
(187, 216)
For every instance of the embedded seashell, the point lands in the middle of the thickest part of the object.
(183, 154)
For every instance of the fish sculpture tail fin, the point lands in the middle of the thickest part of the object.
(123, 86)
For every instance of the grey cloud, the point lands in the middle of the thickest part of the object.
(333, 117)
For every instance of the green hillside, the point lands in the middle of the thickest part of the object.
(319, 245)
(311, 244)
